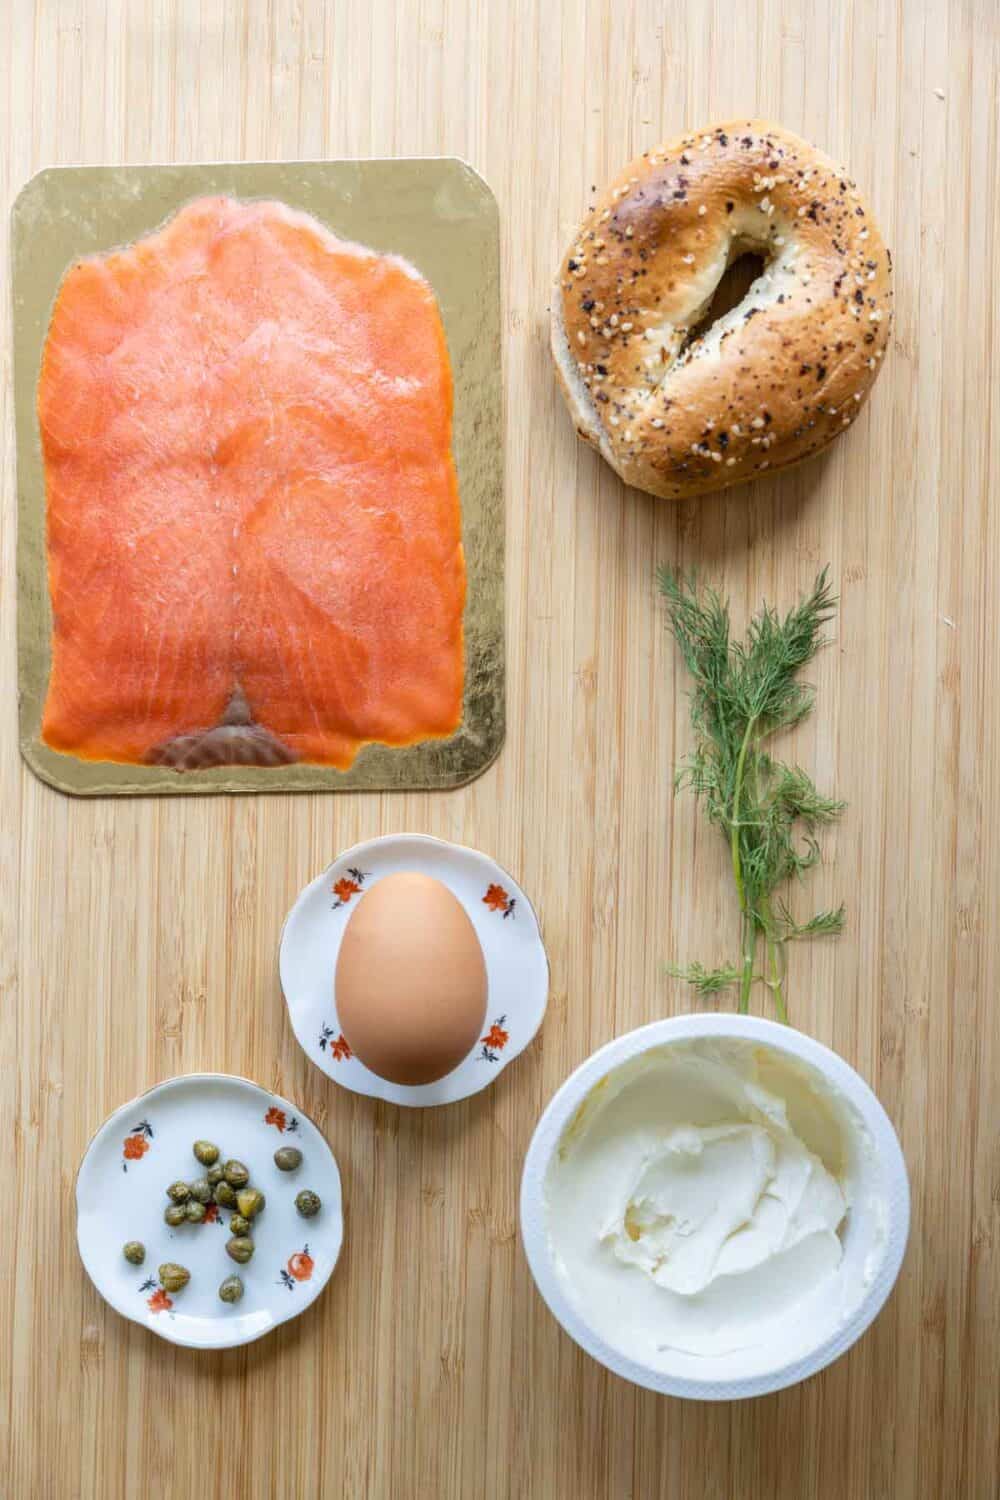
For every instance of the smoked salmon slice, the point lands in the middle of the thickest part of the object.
(253, 522)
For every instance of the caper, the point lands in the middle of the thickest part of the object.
(134, 1252)
(224, 1195)
(201, 1190)
(206, 1153)
(308, 1204)
(174, 1278)
(240, 1249)
(175, 1214)
(236, 1174)
(215, 1174)
(239, 1226)
(194, 1211)
(287, 1158)
(178, 1192)
(250, 1201)
(231, 1289)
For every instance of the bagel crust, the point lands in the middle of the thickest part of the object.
(677, 410)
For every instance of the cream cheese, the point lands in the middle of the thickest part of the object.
(698, 1197)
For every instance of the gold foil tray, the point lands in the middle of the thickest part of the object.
(443, 218)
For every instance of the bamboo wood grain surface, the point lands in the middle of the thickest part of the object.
(138, 939)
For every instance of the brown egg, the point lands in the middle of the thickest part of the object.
(410, 984)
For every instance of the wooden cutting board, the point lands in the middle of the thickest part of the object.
(138, 939)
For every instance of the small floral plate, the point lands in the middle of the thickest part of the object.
(517, 969)
(121, 1195)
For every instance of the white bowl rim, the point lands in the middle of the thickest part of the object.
(773, 1034)
(126, 1310)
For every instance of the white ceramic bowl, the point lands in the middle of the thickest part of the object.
(517, 970)
(121, 1195)
(877, 1176)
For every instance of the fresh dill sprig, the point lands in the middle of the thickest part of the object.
(769, 813)
(705, 982)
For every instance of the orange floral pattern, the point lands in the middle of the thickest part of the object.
(136, 1143)
(496, 1036)
(348, 886)
(340, 1047)
(211, 1213)
(300, 1265)
(495, 1040)
(299, 1268)
(275, 1116)
(159, 1301)
(497, 899)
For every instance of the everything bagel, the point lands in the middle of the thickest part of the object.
(680, 410)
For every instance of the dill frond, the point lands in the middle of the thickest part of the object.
(824, 924)
(743, 693)
(706, 982)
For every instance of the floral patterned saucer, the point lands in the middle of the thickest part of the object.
(121, 1195)
(517, 969)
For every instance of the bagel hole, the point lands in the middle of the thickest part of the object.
(736, 281)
